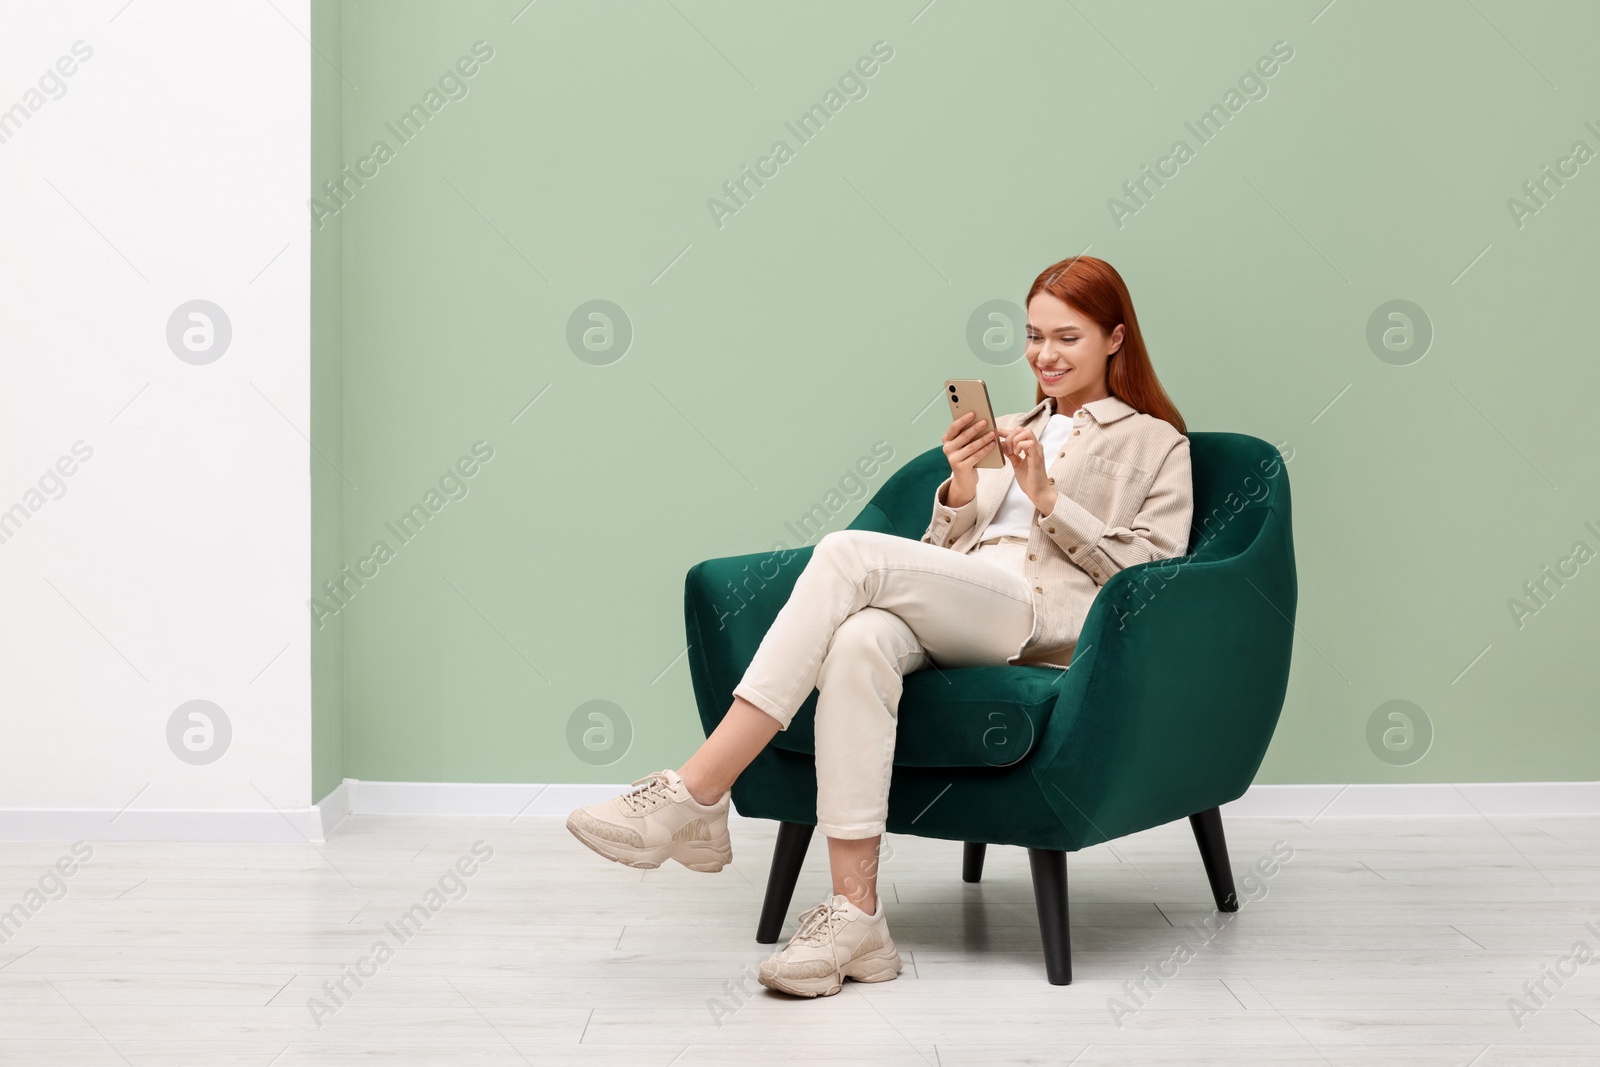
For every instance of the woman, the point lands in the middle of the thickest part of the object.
(1005, 573)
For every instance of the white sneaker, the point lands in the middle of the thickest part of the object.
(657, 821)
(836, 940)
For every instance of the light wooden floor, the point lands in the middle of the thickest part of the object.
(1379, 941)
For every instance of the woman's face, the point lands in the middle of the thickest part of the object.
(1068, 351)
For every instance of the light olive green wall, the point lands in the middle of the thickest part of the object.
(772, 350)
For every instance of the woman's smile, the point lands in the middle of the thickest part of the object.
(1051, 377)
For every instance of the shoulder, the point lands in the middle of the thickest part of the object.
(1152, 444)
(1159, 435)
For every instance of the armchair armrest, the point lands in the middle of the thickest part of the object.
(872, 517)
(729, 603)
(1174, 690)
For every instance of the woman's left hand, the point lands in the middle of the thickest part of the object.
(1027, 463)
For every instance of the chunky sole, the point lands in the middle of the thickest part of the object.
(696, 855)
(878, 966)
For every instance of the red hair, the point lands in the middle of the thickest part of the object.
(1093, 287)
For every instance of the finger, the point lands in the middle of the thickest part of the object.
(973, 432)
(952, 431)
(972, 451)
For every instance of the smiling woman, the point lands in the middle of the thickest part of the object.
(1098, 473)
(1087, 494)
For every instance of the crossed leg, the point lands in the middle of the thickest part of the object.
(867, 609)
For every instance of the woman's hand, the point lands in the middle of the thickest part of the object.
(1027, 462)
(965, 442)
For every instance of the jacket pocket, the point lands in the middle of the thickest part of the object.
(1113, 490)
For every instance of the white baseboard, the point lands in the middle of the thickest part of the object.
(509, 800)
(333, 808)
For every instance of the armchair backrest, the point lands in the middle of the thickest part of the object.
(1182, 666)
(1238, 479)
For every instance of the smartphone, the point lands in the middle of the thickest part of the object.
(970, 394)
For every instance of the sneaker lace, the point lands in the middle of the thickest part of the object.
(652, 791)
(817, 924)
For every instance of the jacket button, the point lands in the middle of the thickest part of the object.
(1072, 548)
(1052, 529)
(1060, 454)
(1036, 589)
(1032, 556)
(1052, 481)
(1076, 432)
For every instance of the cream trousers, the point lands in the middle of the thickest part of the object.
(867, 609)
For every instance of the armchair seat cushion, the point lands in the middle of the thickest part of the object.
(963, 717)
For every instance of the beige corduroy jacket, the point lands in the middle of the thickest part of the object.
(1124, 495)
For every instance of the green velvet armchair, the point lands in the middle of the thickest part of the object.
(1167, 710)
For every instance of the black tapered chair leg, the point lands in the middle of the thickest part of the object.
(788, 855)
(1050, 897)
(972, 861)
(1214, 852)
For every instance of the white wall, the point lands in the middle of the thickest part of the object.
(174, 564)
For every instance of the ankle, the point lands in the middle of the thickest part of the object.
(699, 792)
(869, 906)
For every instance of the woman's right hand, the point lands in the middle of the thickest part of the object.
(965, 443)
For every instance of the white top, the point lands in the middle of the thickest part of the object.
(1016, 511)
